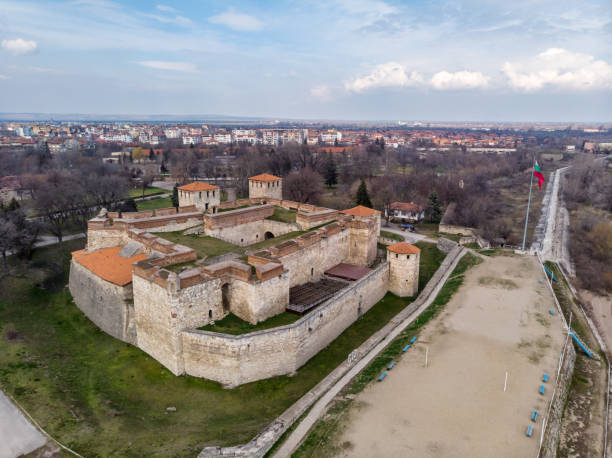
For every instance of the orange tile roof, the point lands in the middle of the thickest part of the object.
(198, 186)
(107, 264)
(360, 210)
(403, 248)
(265, 177)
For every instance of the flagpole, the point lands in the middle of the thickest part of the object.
(528, 204)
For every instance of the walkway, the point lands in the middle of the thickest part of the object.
(17, 435)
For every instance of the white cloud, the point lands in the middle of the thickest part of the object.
(179, 20)
(390, 74)
(19, 46)
(559, 68)
(4, 77)
(165, 8)
(321, 92)
(187, 67)
(237, 21)
(459, 80)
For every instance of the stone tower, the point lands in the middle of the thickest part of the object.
(403, 269)
(266, 186)
(206, 197)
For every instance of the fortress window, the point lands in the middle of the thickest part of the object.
(206, 193)
(210, 314)
(396, 255)
(311, 271)
(200, 194)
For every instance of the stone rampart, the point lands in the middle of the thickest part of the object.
(246, 226)
(234, 360)
(445, 245)
(108, 306)
(455, 230)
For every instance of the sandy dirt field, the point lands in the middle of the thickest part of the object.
(497, 322)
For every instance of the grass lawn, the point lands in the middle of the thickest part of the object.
(231, 324)
(283, 215)
(205, 246)
(209, 247)
(103, 397)
(392, 235)
(149, 191)
(162, 202)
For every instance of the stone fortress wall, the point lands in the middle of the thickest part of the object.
(109, 306)
(234, 360)
(159, 310)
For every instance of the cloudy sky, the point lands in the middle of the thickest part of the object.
(520, 60)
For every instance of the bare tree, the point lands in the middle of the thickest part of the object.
(303, 186)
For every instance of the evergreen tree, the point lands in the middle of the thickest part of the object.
(434, 213)
(363, 197)
(175, 197)
(331, 174)
(13, 205)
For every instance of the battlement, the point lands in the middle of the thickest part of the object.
(232, 218)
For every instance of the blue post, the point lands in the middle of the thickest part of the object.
(581, 345)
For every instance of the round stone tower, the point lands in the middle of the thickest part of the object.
(403, 269)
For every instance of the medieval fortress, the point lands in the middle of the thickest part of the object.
(158, 295)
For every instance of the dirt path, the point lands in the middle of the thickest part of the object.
(497, 322)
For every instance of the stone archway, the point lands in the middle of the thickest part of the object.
(268, 235)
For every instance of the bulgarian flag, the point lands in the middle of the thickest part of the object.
(537, 172)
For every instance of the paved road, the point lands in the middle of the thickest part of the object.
(17, 435)
(321, 406)
(410, 237)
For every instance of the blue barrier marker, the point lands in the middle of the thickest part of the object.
(550, 274)
(406, 348)
(581, 345)
(551, 311)
(534, 415)
(383, 375)
(390, 366)
(413, 340)
(542, 389)
(545, 378)
(529, 431)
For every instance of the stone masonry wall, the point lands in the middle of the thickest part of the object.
(252, 232)
(109, 306)
(403, 273)
(162, 312)
(266, 189)
(310, 262)
(257, 301)
(234, 360)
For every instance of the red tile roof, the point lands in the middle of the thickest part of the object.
(108, 265)
(405, 206)
(403, 248)
(360, 210)
(198, 186)
(265, 177)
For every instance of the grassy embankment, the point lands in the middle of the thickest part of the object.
(321, 440)
(153, 204)
(103, 397)
(149, 191)
(392, 236)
